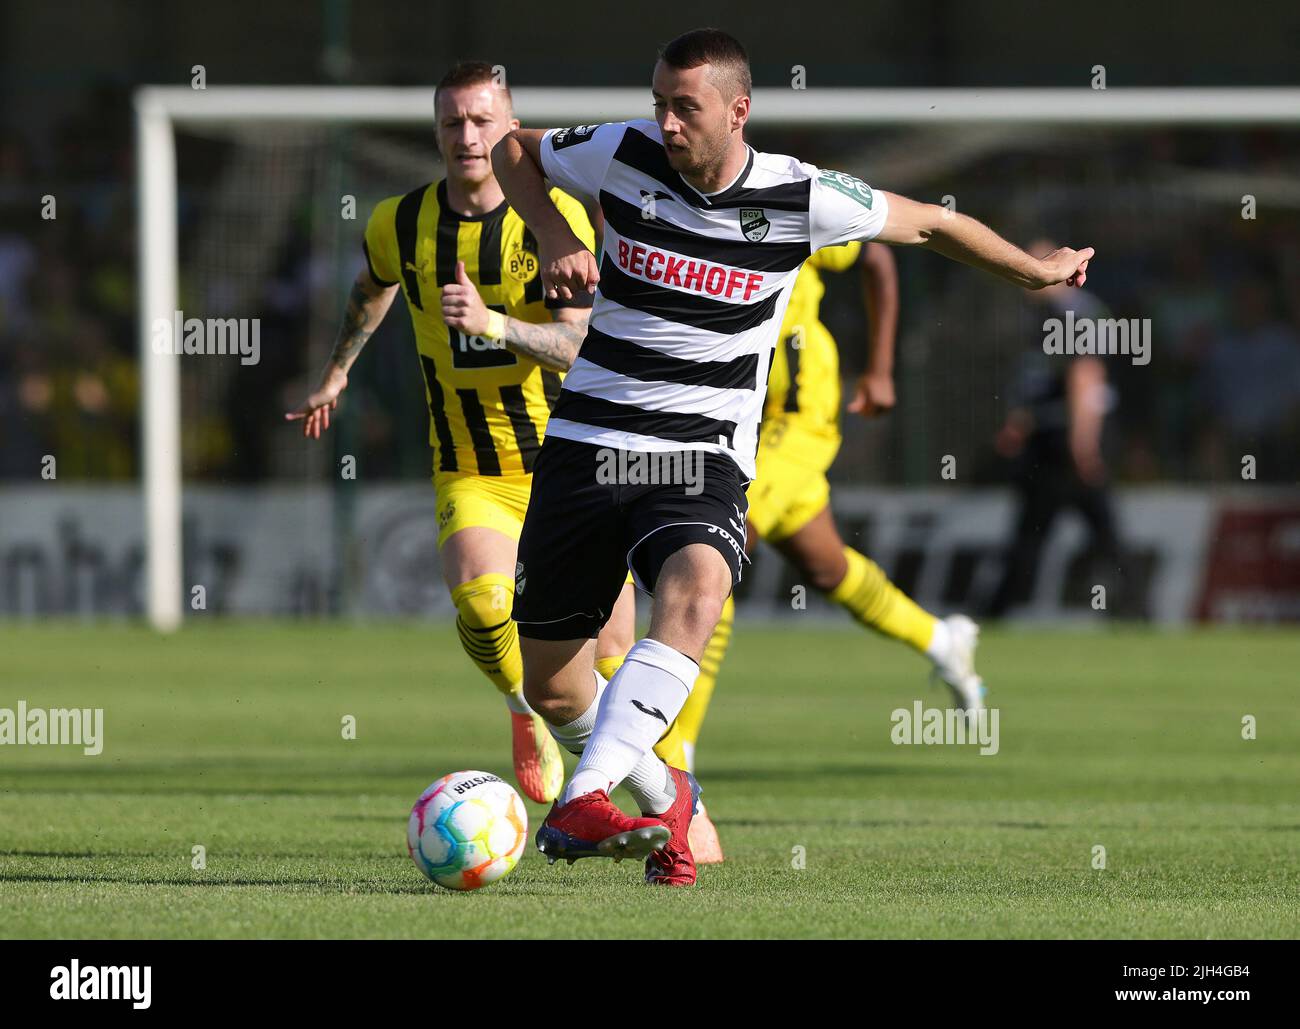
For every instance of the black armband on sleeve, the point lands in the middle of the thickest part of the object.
(371, 267)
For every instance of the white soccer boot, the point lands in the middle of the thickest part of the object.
(958, 670)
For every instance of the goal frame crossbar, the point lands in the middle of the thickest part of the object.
(160, 110)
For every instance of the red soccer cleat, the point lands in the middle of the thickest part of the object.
(593, 826)
(674, 864)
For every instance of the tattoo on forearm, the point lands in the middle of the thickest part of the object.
(553, 345)
(353, 333)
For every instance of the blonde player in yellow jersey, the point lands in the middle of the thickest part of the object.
(492, 350)
(789, 501)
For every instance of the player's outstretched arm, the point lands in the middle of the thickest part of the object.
(553, 345)
(971, 242)
(368, 302)
(568, 267)
(874, 394)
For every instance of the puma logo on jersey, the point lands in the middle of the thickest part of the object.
(652, 711)
(423, 270)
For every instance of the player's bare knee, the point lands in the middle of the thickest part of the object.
(702, 611)
(551, 701)
(558, 680)
(688, 610)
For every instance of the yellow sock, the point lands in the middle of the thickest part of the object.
(867, 594)
(670, 749)
(691, 720)
(607, 666)
(487, 632)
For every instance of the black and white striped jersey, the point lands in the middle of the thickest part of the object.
(693, 287)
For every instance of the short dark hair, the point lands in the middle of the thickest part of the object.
(714, 47)
(474, 73)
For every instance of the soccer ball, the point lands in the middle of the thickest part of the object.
(467, 830)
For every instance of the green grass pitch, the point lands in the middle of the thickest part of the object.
(229, 736)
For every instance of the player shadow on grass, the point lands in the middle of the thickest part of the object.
(233, 777)
(206, 791)
(288, 855)
(844, 770)
(130, 880)
(417, 887)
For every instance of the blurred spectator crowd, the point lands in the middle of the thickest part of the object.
(1224, 300)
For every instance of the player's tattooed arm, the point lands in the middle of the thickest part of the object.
(553, 345)
(368, 302)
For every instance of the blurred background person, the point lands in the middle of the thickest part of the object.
(1053, 434)
(1250, 386)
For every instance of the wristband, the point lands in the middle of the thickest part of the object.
(496, 326)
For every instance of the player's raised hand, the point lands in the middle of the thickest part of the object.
(872, 396)
(1066, 265)
(314, 412)
(462, 307)
(568, 268)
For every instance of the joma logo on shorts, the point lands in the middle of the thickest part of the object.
(728, 537)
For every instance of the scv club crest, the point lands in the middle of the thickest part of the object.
(754, 223)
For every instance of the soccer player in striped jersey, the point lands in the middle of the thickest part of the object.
(704, 238)
(789, 501)
(492, 349)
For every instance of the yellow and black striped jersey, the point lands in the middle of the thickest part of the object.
(805, 376)
(488, 406)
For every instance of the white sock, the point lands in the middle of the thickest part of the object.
(516, 703)
(640, 704)
(940, 643)
(573, 736)
(689, 750)
(650, 782)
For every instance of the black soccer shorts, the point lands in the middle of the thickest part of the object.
(595, 513)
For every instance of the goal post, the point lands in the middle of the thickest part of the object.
(160, 110)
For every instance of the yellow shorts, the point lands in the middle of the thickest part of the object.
(791, 487)
(496, 502)
(487, 501)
